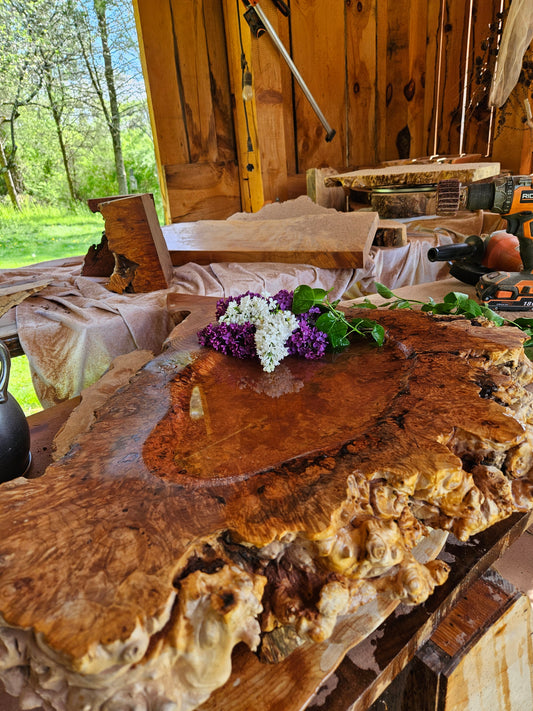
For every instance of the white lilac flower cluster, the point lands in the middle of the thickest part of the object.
(273, 326)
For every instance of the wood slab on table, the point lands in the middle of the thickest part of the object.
(427, 174)
(332, 240)
(104, 544)
(373, 664)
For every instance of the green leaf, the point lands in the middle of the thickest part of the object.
(523, 323)
(366, 304)
(305, 297)
(378, 333)
(384, 291)
(455, 298)
(469, 307)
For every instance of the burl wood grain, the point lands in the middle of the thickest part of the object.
(416, 174)
(198, 445)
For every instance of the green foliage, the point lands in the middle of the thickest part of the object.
(455, 302)
(52, 86)
(20, 385)
(333, 322)
(40, 233)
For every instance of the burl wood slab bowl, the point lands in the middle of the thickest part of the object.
(212, 503)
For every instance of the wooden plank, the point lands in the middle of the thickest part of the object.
(15, 291)
(287, 89)
(361, 67)
(203, 191)
(414, 90)
(268, 88)
(330, 240)
(238, 42)
(496, 673)
(382, 88)
(481, 654)
(160, 70)
(194, 77)
(390, 233)
(320, 194)
(402, 63)
(433, 89)
(44, 426)
(471, 616)
(318, 51)
(455, 44)
(213, 18)
(414, 174)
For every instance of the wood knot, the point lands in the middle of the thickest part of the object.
(409, 90)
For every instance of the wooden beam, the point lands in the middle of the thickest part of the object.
(238, 39)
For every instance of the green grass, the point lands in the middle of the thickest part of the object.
(21, 387)
(38, 234)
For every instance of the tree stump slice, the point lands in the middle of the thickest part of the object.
(211, 504)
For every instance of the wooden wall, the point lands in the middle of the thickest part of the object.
(396, 79)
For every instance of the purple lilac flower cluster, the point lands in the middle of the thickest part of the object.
(238, 340)
(307, 341)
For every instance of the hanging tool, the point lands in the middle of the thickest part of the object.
(259, 24)
(512, 197)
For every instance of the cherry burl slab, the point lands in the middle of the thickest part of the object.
(96, 555)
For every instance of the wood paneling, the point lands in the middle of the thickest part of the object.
(318, 50)
(396, 80)
(268, 88)
(200, 191)
(361, 99)
(239, 49)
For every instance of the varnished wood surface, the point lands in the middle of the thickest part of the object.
(133, 504)
(371, 666)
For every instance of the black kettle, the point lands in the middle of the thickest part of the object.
(15, 455)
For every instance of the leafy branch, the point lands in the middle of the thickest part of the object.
(455, 302)
(332, 321)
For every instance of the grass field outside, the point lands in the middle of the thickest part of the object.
(39, 234)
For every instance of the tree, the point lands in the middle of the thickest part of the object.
(78, 61)
(104, 79)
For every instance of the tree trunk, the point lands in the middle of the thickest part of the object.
(57, 120)
(4, 168)
(114, 125)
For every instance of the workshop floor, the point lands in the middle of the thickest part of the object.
(516, 564)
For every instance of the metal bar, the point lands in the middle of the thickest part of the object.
(330, 132)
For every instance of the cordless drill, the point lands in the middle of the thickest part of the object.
(512, 197)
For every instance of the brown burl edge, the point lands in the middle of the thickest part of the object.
(212, 503)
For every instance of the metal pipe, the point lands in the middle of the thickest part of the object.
(330, 132)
